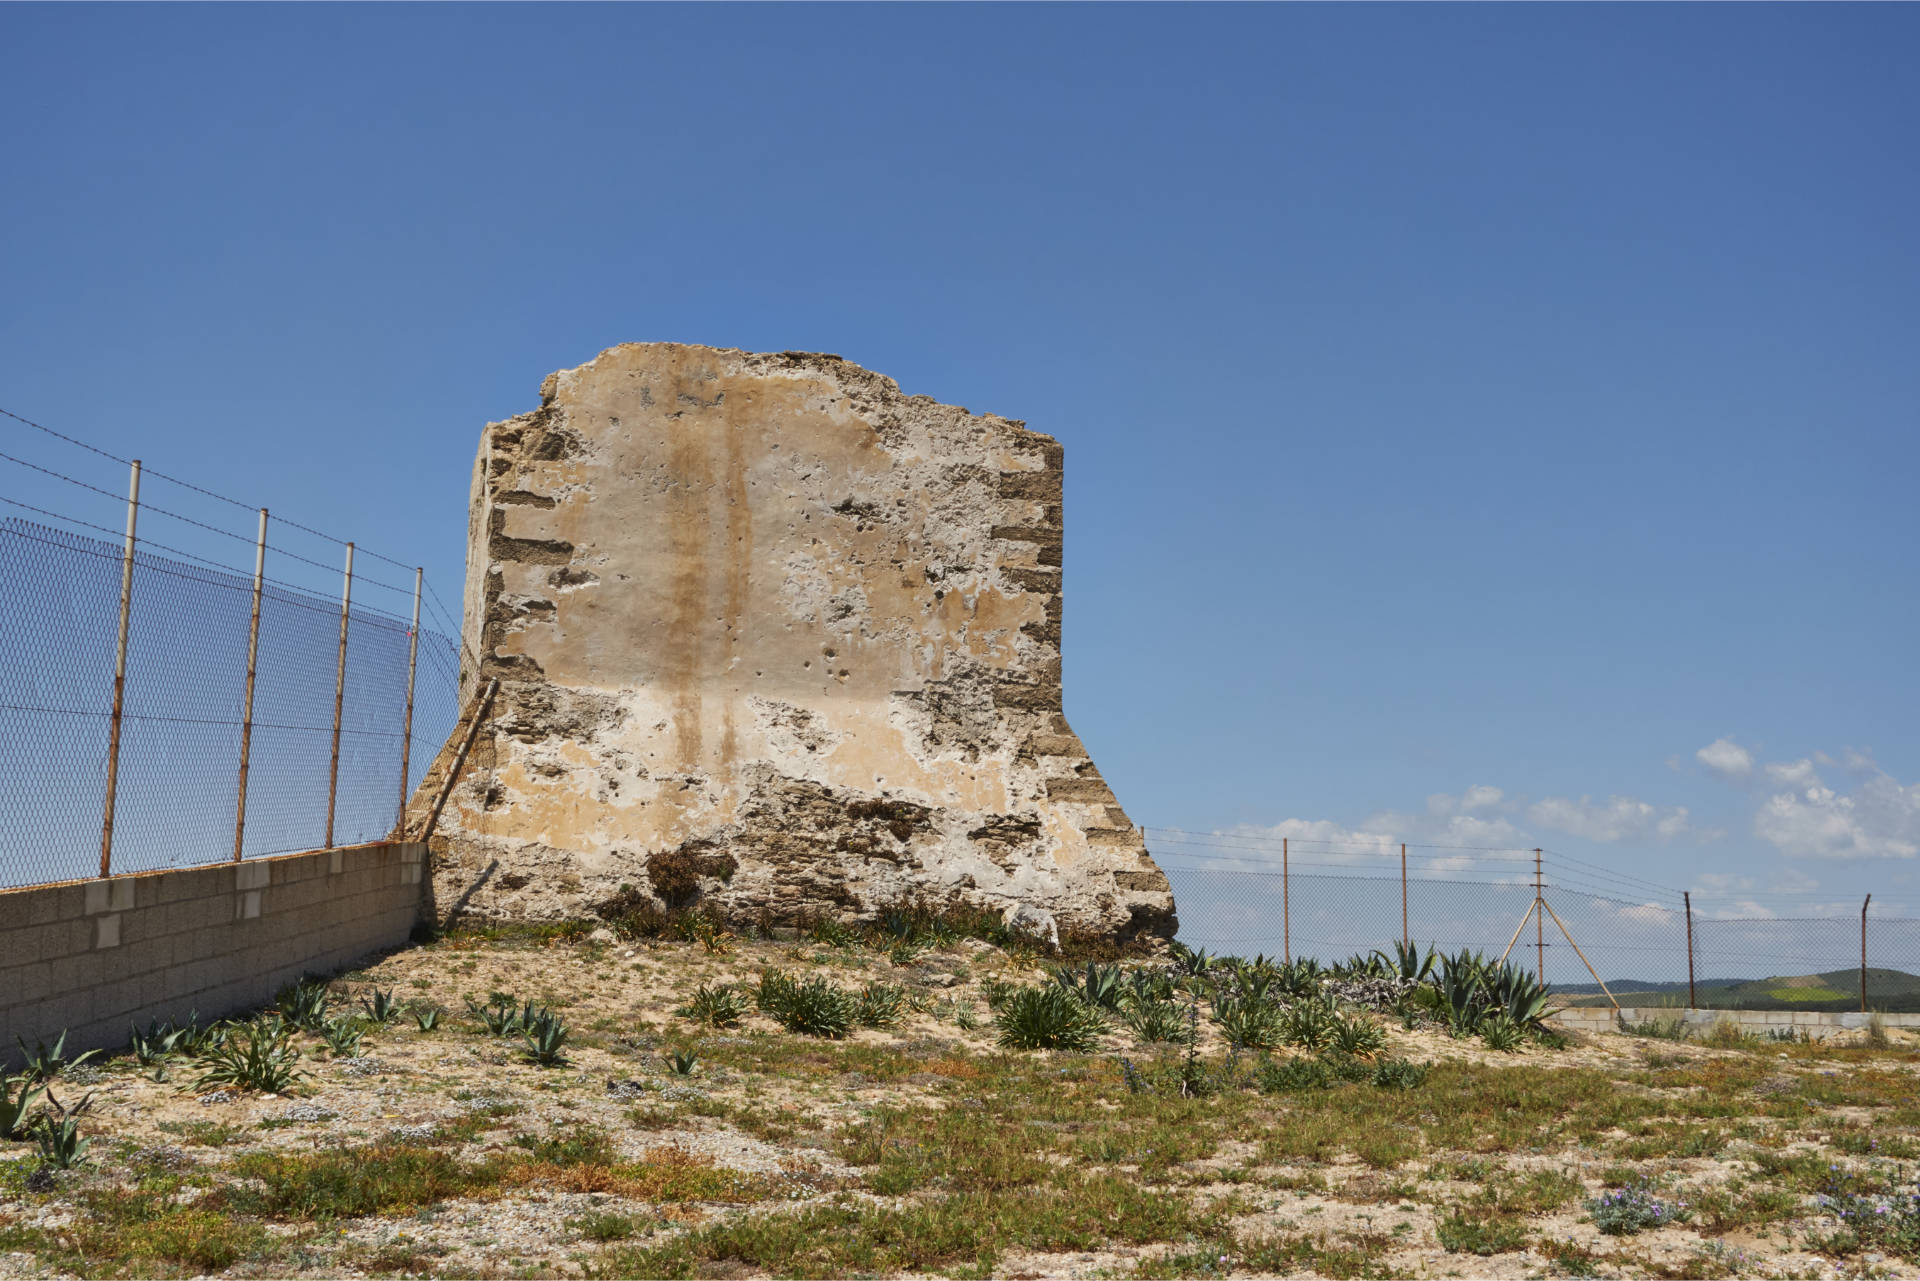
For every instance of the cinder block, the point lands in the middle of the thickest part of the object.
(55, 903)
(15, 911)
(106, 930)
(252, 876)
(24, 984)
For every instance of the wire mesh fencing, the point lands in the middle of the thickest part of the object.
(1595, 943)
(177, 785)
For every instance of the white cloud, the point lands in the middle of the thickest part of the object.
(1879, 819)
(1796, 774)
(1727, 759)
(1618, 818)
(1480, 797)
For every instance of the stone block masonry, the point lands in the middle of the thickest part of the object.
(93, 957)
(1815, 1024)
(774, 638)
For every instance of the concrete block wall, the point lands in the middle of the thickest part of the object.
(93, 957)
(1816, 1024)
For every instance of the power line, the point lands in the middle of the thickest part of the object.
(184, 484)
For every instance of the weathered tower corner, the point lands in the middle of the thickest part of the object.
(775, 638)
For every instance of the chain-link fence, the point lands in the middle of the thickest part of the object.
(1248, 896)
(178, 772)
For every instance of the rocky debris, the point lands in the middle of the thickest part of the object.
(776, 641)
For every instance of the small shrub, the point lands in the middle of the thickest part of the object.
(262, 1058)
(1399, 1074)
(1501, 1033)
(1250, 1023)
(1634, 1208)
(1658, 1029)
(1308, 1024)
(1481, 1234)
(1290, 1076)
(1358, 1036)
(1156, 1021)
(605, 1226)
(1877, 1032)
(881, 1005)
(813, 1007)
(966, 1018)
(1048, 1018)
(1880, 1208)
(719, 1005)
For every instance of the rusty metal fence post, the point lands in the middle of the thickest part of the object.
(339, 699)
(1863, 954)
(1539, 926)
(406, 725)
(1406, 935)
(253, 666)
(120, 673)
(1686, 898)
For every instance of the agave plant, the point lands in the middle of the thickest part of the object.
(1300, 977)
(1100, 986)
(1160, 1020)
(499, 1015)
(1146, 987)
(682, 1062)
(719, 1005)
(1194, 962)
(15, 1108)
(426, 1017)
(304, 1004)
(1408, 962)
(258, 1057)
(1358, 1036)
(880, 1005)
(1308, 1024)
(1250, 1023)
(380, 1007)
(545, 1035)
(813, 1007)
(160, 1040)
(44, 1062)
(342, 1035)
(1049, 1018)
(58, 1134)
(1500, 1032)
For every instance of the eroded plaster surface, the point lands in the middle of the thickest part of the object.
(767, 618)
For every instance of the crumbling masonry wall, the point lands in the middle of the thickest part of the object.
(774, 637)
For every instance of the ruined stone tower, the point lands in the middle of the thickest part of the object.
(774, 637)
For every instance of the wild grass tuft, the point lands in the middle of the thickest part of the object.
(718, 1005)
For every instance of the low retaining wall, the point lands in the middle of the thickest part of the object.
(1699, 1023)
(93, 957)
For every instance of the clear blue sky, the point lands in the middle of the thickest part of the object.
(1519, 399)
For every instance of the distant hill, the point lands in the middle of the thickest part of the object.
(1890, 991)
